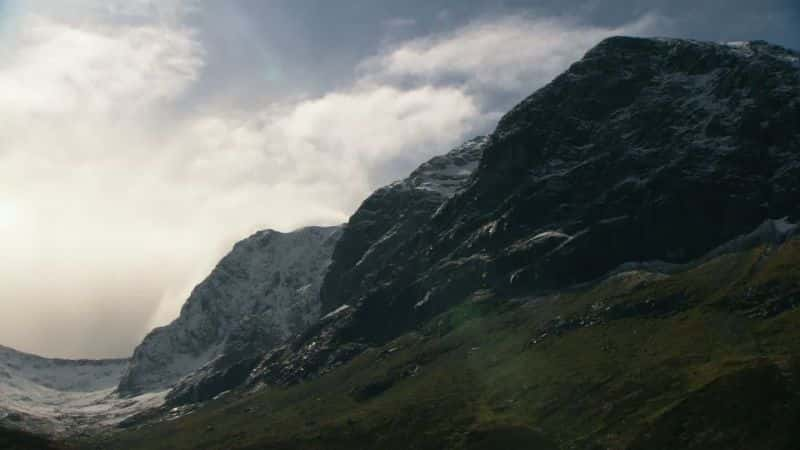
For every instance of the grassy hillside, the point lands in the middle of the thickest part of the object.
(19, 440)
(707, 358)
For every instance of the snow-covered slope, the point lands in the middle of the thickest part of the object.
(60, 374)
(60, 395)
(266, 289)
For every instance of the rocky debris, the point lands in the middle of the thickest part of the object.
(599, 313)
(243, 350)
(314, 353)
(765, 301)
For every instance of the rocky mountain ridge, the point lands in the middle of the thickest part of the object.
(262, 292)
(386, 220)
(644, 150)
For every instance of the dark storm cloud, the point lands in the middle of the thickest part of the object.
(298, 47)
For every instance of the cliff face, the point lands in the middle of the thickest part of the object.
(387, 221)
(646, 149)
(265, 290)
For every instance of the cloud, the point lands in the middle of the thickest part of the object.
(54, 68)
(81, 104)
(400, 22)
(120, 189)
(114, 203)
(511, 54)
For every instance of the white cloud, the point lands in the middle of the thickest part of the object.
(114, 204)
(59, 69)
(81, 105)
(509, 54)
(116, 198)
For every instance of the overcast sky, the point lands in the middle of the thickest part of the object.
(141, 138)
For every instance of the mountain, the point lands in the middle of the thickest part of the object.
(59, 395)
(387, 219)
(646, 149)
(382, 225)
(617, 266)
(67, 375)
(702, 357)
(262, 292)
(619, 272)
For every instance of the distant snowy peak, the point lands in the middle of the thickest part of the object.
(266, 288)
(83, 375)
(58, 395)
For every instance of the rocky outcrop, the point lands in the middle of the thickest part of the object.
(264, 291)
(646, 149)
(386, 221)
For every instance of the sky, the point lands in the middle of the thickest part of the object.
(141, 138)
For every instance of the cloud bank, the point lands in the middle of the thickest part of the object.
(120, 186)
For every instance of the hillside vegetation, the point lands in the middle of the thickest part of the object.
(703, 358)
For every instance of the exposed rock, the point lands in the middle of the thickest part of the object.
(264, 291)
(389, 219)
(385, 223)
(645, 150)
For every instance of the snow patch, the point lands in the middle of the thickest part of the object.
(335, 312)
(547, 235)
(66, 396)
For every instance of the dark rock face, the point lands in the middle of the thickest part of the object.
(646, 149)
(390, 218)
(314, 353)
(386, 223)
(244, 348)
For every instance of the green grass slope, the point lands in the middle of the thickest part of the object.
(708, 358)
